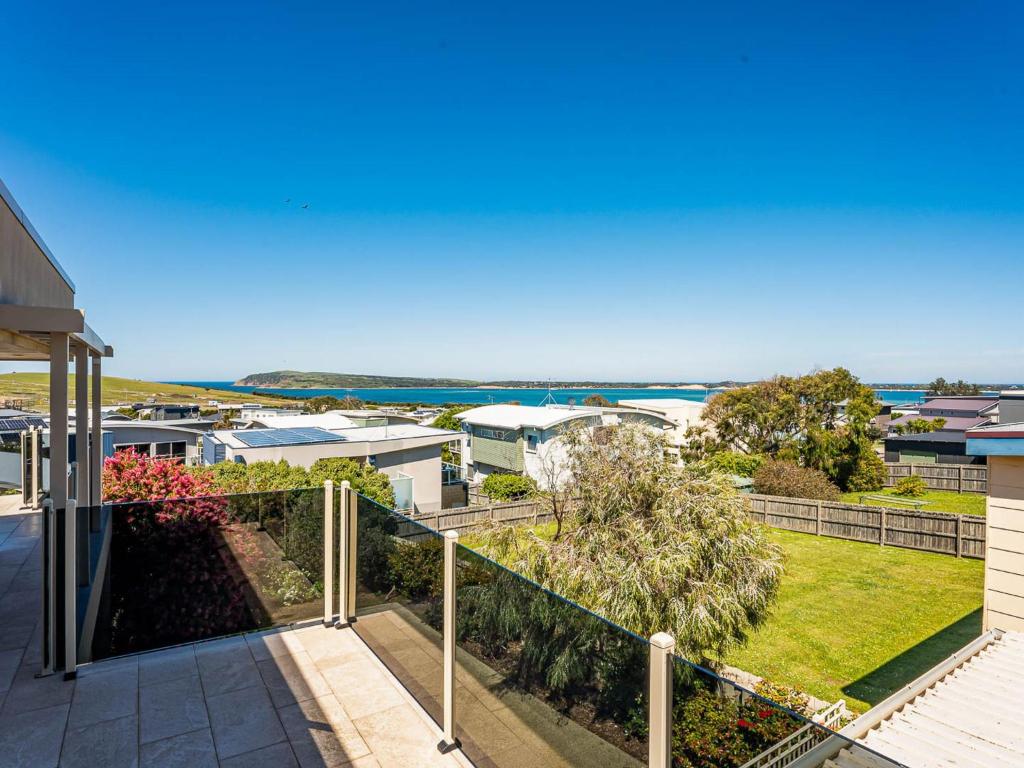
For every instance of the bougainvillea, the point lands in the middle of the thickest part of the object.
(172, 577)
(130, 476)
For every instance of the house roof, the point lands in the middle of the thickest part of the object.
(965, 712)
(976, 404)
(939, 436)
(663, 403)
(518, 416)
(321, 420)
(250, 438)
(953, 423)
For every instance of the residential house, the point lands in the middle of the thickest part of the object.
(249, 412)
(410, 455)
(947, 444)
(168, 411)
(524, 439)
(683, 413)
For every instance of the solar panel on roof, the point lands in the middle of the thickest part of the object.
(262, 438)
(20, 424)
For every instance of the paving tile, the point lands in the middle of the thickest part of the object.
(111, 744)
(16, 636)
(398, 737)
(227, 667)
(276, 756)
(171, 708)
(362, 688)
(273, 643)
(242, 721)
(189, 750)
(33, 739)
(28, 692)
(321, 734)
(328, 646)
(171, 664)
(9, 663)
(109, 665)
(292, 678)
(107, 696)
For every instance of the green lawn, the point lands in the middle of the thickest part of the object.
(940, 501)
(858, 621)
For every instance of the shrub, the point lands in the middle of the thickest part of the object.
(502, 487)
(597, 401)
(869, 473)
(784, 478)
(417, 568)
(711, 731)
(130, 476)
(735, 463)
(913, 485)
(365, 478)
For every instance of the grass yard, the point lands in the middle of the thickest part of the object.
(940, 501)
(34, 388)
(858, 621)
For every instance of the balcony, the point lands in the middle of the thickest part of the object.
(228, 642)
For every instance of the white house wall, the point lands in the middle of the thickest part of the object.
(423, 465)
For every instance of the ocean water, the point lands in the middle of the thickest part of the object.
(475, 396)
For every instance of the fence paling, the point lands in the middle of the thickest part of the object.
(938, 532)
(962, 478)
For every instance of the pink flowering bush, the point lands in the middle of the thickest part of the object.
(173, 579)
(130, 476)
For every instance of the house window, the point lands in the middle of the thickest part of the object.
(531, 443)
(496, 434)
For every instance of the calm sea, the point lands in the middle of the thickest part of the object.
(441, 395)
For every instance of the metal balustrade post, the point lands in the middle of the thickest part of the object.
(659, 754)
(328, 552)
(70, 588)
(347, 557)
(449, 741)
(48, 552)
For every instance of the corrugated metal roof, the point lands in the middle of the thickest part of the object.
(969, 718)
(976, 404)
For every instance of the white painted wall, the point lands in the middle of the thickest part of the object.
(10, 469)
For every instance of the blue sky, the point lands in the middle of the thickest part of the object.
(645, 191)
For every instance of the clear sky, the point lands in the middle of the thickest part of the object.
(642, 191)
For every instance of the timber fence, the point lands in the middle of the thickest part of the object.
(939, 532)
(961, 478)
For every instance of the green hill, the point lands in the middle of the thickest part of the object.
(322, 380)
(34, 390)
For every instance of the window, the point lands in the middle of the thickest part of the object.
(496, 434)
(531, 443)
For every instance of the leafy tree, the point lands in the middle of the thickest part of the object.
(365, 478)
(734, 463)
(919, 426)
(597, 401)
(822, 421)
(959, 387)
(505, 487)
(869, 474)
(650, 546)
(127, 411)
(785, 478)
(447, 418)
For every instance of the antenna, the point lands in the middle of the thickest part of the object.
(549, 399)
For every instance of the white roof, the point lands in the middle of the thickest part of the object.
(969, 718)
(518, 416)
(323, 420)
(663, 403)
(350, 435)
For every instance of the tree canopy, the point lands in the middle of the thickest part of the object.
(959, 387)
(651, 546)
(821, 420)
(597, 401)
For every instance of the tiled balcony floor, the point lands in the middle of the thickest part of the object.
(302, 697)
